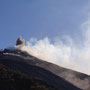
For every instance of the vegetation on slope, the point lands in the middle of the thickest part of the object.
(12, 80)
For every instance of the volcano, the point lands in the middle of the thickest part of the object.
(24, 63)
(49, 73)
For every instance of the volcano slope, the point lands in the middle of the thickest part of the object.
(12, 80)
(25, 63)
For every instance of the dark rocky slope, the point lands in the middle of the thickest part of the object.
(76, 78)
(12, 80)
(24, 63)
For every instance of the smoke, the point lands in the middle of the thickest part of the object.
(66, 53)
(70, 54)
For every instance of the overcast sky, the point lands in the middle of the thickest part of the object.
(40, 18)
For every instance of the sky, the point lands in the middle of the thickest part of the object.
(57, 31)
(40, 18)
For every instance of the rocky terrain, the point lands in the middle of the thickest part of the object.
(54, 75)
(20, 62)
(12, 80)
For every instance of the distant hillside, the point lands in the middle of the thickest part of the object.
(18, 61)
(12, 80)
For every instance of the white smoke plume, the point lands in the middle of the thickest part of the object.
(71, 55)
(68, 55)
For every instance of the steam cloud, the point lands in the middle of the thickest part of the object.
(71, 55)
